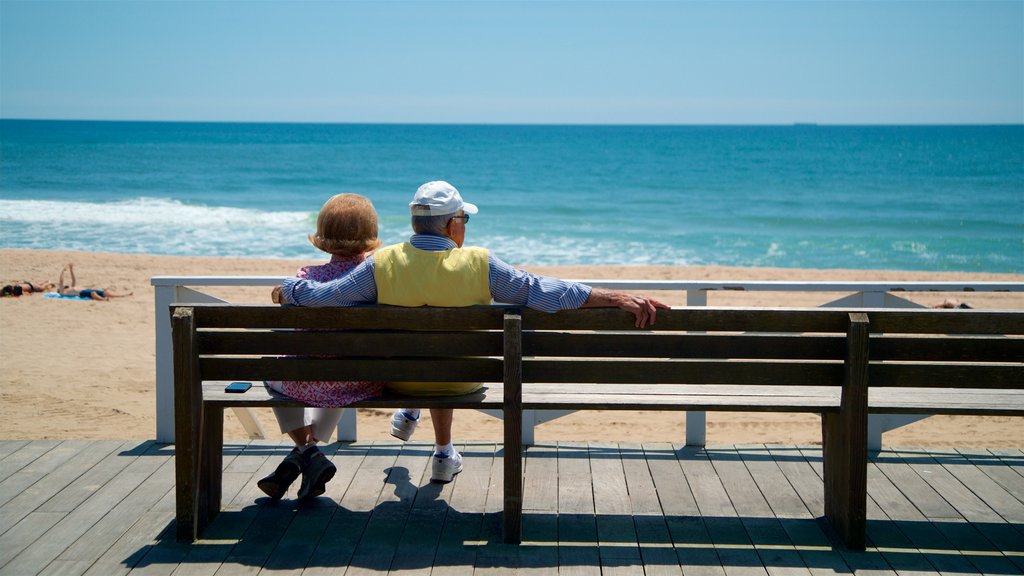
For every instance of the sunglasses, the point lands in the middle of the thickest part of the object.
(464, 217)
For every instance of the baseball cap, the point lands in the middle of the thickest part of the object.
(438, 198)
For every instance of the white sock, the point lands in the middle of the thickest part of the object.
(447, 449)
(302, 449)
(412, 413)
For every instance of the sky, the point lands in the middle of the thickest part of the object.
(767, 62)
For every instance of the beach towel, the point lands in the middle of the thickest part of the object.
(58, 296)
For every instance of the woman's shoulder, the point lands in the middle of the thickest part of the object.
(338, 266)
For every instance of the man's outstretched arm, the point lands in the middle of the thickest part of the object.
(356, 287)
(645, 309)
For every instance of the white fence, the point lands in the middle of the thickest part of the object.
(176, 289)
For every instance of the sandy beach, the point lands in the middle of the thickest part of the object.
(75, 369)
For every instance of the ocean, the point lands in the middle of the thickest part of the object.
(929, 198)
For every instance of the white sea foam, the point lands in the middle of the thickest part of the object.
(153, 225)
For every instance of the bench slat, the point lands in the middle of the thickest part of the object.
(947, 322)
(948, 349)
(259, 396)
(794, 372)
(946, 375)
(661, 345)
(351, 344)
(946, 401)
(394, 369)
(695, 319)
(358, 317)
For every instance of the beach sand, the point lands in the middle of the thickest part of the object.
(74, 369)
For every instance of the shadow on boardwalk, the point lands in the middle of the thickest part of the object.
(104, 507)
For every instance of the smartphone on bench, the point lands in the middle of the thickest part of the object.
(238, 387)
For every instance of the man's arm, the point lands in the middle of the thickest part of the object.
(513, 286)
(356, 287)
(645, 309)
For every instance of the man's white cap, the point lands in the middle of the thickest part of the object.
(438, 198)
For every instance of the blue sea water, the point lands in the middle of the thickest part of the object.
(937, 198)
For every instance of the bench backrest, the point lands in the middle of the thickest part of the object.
(237, 342)
(947, 349)
(735, 346)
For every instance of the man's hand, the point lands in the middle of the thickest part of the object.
(643, 308)
(275, 295)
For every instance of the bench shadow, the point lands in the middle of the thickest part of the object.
(323, 534)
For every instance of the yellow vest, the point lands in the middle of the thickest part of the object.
(408, 276)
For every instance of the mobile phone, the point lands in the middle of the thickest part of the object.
(238, 387)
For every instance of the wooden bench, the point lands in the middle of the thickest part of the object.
(792, 360)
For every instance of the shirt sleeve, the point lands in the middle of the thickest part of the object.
(512, 286)
(356, 287)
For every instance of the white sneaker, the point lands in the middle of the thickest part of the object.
(403, 425)
(445, 467)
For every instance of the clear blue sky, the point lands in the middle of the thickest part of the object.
(575, 62)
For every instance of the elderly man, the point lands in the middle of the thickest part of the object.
(434, 269)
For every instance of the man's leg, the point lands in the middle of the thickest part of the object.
(447, 462)
(442, 420)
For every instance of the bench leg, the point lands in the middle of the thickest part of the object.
(845, 470)
(211, 463)
(513, 507)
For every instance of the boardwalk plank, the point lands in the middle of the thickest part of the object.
(247, 463)
(86, 516)
(494, 557)
(770, 539)
(798, 517)
(616, 534)
(655, 541)
(346, 528)
(969, 534)
(8, 447)
(54, 482)
(993, 467)
(376, 550)
(907, 509)
(695, 554)
(730, 510)
(25, 456)
(730, 538)
(41, 466)
(457, 547)
(578, 553)
(538, 554)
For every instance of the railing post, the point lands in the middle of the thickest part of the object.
(164, 296)
(347, 426)
(696, 422)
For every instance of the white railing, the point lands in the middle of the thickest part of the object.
(175, 289)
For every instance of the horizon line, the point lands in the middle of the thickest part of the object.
(795, 123)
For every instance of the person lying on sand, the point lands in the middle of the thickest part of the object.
(92, 293)
(26, 287)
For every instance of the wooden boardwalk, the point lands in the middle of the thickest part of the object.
(107, 507)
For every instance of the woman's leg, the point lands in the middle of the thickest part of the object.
(324, 422)
(293, 422)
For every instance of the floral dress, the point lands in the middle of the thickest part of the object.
(324, 394)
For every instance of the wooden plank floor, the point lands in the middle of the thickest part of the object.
(107, 507)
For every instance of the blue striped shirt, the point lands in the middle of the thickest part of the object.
(508, 285)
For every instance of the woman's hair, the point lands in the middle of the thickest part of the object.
(346, 226)
(12, 290)
(436, 225)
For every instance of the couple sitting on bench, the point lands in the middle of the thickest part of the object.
(432, 269)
